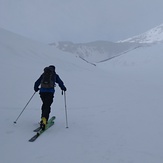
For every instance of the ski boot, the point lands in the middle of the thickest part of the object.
(43, 123)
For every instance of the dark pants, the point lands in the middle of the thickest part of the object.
(47, 100)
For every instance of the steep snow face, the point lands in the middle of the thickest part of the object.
(152, 36)
(97, 51)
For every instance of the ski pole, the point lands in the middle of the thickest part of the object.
(24, 108)
(65, 109)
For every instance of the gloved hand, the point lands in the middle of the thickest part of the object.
(36, 89)
(64, 89)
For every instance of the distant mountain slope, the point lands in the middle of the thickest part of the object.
(14, 46)
(97, 51)
(154, 35)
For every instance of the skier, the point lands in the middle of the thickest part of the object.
(47, 81)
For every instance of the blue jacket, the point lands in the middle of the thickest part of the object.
(57, 80)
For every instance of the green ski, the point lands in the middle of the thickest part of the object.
(40, 131)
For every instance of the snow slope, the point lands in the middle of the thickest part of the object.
(153, 35)
(114, 108)
(100, 51)
(97, 51)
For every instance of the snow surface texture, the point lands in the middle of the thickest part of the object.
(114, 108)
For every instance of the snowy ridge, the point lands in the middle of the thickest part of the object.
(97, 51)
(152, 36)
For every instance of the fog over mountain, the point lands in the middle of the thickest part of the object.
(100, 51)
(80, 20)
(90, 30)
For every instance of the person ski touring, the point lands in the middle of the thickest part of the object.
(47, 83)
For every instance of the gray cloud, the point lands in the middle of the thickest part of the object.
(80, 20)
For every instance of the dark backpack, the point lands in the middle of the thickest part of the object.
(48, 78)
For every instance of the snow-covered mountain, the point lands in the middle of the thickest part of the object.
(97, 51)
(153, 35)
(114, 115)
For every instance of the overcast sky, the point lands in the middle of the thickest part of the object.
(80, 20)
